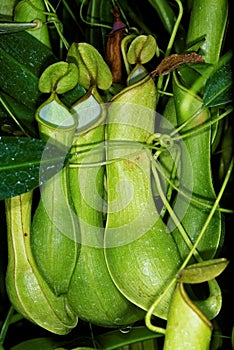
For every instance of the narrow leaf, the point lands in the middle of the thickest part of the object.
(21, 167)
(218, 89)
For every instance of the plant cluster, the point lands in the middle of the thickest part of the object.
(116, 168)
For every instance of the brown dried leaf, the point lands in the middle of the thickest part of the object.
(113, 48)
(172, 62)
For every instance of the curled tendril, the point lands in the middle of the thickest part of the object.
(164, 140)
(38, 22)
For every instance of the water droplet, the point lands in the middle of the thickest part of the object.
(126, 330)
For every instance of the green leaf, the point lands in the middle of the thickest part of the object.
(165, 13)
(202, 272)
(93, 70)
(142, 49)
(25, 12)
(196, 44)
(59, 77)
(23, 59)
(79, 348)
(36, 344)
(6, 8)
(21, 167)
(115, 339)
(218, 89)
(23, 115)
(194, 76)
(197, 153)
(208, 18)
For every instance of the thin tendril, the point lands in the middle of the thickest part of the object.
(92, 335)
(171, 212)
(46, 5)
(173, 175)
(54, 19)
(215, 206)
(58, 4)
(66, 5)
(172, 39)
(191, 253)
(192, 199)
(175, 29)
(142, 146)
(162, 92)
(124, 42)
(203, 126)
(73, 164)
(166, 83)
(91, 23)
(193, 116)
(57, 24)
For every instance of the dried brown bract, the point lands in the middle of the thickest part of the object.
(113, 48)
(172, 62)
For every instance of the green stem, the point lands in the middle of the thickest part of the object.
(57, 23)
(175, 29)
(172, 39)
(5, 326)
(173, 173)
(165, 13)
(58, 28)
(91, 23)
(124, 43)
(66, 5)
